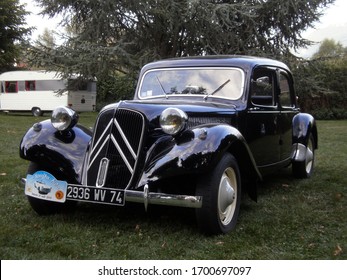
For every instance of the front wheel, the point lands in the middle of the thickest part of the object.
(44, 207)
(221, 197)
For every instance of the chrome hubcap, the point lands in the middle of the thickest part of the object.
(309, 157)
(227, 195)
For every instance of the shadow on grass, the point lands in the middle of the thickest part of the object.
(133, 215)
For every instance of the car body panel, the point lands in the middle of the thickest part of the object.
(129, 149)
(64, 152)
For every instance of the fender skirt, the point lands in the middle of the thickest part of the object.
(62, 152)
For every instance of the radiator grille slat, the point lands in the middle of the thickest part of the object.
(122, 133)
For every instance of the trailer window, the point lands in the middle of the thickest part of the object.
(30, 85)
(48, 85)
(11, 87)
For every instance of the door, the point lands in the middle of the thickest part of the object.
(262, 130)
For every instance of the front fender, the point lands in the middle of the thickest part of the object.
(195, 151)
(62, 152)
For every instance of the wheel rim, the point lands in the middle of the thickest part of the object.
(309, 156)
(36, 112)
(227, 195)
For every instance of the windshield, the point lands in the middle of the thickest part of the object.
(219, 82)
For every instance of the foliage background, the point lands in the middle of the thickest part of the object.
(111, 40)
(13, 33)
(321, 82)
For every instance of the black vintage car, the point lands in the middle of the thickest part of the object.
(199, 131)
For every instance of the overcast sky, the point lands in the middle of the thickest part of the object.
(333, 24)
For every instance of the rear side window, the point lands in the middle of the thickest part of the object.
(285, 96)
(262, 88)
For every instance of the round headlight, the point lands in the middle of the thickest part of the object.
(63, 118)
(173, 120)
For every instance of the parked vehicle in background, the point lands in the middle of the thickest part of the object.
(40, 91)
(199, 131)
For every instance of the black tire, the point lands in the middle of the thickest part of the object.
(221, 197)
(43, 207)
(304, 169)
(36, 111)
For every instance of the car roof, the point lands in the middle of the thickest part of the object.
(244, 62)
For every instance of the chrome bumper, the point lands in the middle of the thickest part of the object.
(147, 198)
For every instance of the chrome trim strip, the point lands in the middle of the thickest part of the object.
(263, 112)
(101, 136)
(145, 196)
(102, 173)
(124, 138)
(96, 155)
(122, 154)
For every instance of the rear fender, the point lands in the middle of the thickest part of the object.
(62, 152)
(304, 125)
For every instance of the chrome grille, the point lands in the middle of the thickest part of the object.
(196, 121)
(118, 138)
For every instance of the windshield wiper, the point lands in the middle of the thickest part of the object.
(162, 88)
(218, 89)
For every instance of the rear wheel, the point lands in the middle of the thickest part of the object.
(221, 192)
(44, 207)
(304, 169)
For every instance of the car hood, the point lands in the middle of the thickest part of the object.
(153, 108)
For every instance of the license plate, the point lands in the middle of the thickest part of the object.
(43, 185)
(95, 195)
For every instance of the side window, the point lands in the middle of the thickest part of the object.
(262, 88)
(30, 85)
(285, 96)
(11, 87)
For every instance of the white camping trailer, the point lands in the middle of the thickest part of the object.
(39, 91)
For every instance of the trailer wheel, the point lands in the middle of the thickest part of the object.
(36, 111)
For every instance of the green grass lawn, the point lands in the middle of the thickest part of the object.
(293, 219)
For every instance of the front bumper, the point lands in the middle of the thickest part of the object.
(147, 198)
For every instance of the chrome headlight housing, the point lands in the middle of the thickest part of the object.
(173, 120)
(64, 118)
